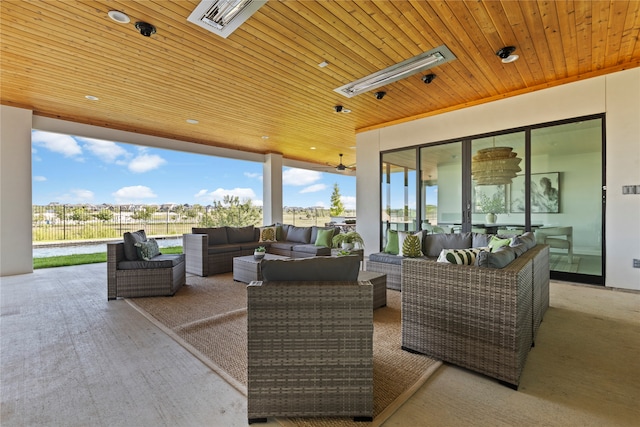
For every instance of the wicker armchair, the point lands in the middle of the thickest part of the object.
(310, 349)
(162, 276)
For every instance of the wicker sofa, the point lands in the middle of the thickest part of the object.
(211, 250)
(128, 276)
(483, 319)
(310, 340)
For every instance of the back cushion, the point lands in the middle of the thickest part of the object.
(241, 234)
(281, 234)
(435, 243)
(130, 240)
(479, 240)
(299, 234)
(498, 259)
(217, 235)
(332, 269)
(528, 239)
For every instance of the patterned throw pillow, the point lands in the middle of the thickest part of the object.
(147, 250)
(268, 234)
(459, 256)
(412, 246)
(402, 236)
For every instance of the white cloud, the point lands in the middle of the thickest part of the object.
(107, 151)
(254, 175)
(146, 162)
(349, 202)
(76, 196)
(39, 178)
(133, 194)
(313, 188)
(241, 193)
(218, 195)
(62, 144)
(300, 177)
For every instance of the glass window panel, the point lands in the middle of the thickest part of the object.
(498, 186)
(566, 197)
(399, 191)
(441, 187)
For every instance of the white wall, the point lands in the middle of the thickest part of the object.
(617, 95)
(15, 191)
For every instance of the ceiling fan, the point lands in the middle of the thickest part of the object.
(341, 167)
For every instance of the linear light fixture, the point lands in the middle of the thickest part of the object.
(223, 17)
(426, 60)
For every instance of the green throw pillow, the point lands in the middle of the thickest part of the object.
(392, 243)
(147, 250)
(496, 243)
(324, 237)
(412, 246)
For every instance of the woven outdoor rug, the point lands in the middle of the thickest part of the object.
(208, 317)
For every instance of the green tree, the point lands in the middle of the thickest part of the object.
(80, 214)
(231, 212)
(144, 214)
(104, 215)
(337, 208)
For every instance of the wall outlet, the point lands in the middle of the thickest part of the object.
(636, 263)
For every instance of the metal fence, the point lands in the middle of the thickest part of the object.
(56, 222)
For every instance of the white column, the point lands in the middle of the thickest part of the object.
(272, 188)
(16, 253)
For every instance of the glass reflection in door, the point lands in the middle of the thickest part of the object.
(440, 188)
(398, 192)
(566, 196)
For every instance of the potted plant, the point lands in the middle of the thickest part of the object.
(347, 240)
(259, 252)
(491, 206)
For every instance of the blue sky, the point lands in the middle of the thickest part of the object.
(69, 169)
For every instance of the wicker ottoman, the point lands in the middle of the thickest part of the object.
(247, 269)
(379, 282)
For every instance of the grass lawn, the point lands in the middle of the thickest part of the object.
(78, 259)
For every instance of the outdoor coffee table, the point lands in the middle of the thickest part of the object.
(379, 282)
(247, 269)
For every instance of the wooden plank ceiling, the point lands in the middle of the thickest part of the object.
(264, 79)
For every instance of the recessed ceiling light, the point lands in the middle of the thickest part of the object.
(92, 98)
(312, 148)
(265, 137)
(506, 54)
(192, 121)
(323, 64)
(119, 17)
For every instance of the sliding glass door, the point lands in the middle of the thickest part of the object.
(498, 168)
(398, 192)
(566, 197)
(547, 179)
(441, 188)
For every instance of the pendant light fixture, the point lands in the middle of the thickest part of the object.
(495, 165)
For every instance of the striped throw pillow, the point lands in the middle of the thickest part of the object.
(459, 256)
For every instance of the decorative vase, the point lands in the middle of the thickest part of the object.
(258, 255)
(491, 218)
(347, 246)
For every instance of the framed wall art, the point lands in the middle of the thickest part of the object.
(545, 193)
